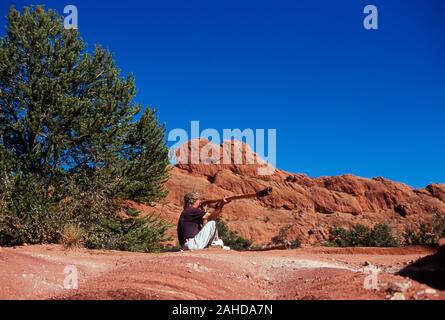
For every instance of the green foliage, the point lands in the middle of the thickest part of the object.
(143, 234)
(27, 214)
(132, 234)
(427, 233)
(282, 238)
(380, 235)
(33, 214)
(231, 238)
(296, 243)
(72, 141)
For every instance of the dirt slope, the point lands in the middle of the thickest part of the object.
(37, 272)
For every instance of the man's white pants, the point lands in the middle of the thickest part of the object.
(204, 238)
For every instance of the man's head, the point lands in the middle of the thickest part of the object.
(192, 199)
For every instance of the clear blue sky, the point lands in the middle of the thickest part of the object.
(343, 99)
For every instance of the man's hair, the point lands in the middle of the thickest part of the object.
(190, 198)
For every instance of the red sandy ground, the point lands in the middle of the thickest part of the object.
(37, 272)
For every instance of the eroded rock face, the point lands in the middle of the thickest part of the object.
(437, 190)
(206, 158)
(305, 207)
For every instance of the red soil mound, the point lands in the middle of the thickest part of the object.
(37, 272)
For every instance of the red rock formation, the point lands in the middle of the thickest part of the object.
(307, 207)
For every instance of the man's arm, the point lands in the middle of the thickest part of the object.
(215, 214)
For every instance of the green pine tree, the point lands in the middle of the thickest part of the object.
(70, 134)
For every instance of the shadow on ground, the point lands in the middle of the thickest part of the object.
(429, 270)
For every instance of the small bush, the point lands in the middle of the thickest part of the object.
(231, 238)
(143, 234)
(296, 243)
(427, 233)
(380, 235)
(72, 236)
(282, 239)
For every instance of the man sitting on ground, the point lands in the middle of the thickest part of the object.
(196, 227)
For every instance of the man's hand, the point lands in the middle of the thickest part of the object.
(218, 208)
(223, 202)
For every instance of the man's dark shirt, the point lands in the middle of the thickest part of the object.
(190, 222)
